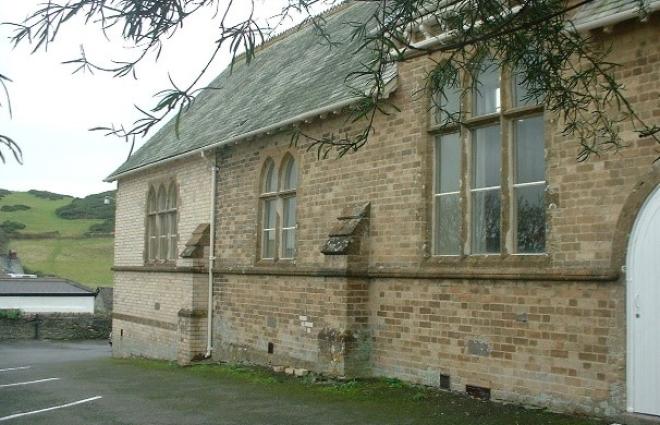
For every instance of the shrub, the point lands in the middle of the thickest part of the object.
(4, 192)
(90, 207)
(44, 194)
(12, 314)
(12, 208)
(9, 226)
(108, 226)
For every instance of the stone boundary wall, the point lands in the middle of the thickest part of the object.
(55, 326)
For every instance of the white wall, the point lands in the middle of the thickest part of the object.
(45, 304)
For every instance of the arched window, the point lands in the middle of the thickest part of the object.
(152, 224)
(269, 211)
(278, 209)
(171, 212)
(288, 196)
(162, 223)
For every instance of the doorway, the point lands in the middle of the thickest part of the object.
(643, 309)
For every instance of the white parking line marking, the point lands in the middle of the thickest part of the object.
(18, 415)
(9, 369)
(38, 381)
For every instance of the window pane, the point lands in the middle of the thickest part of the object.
(162, 199)
(289, 212)
(164, 237)
(171, 197)
(151, 201)
(152, 233)
(269, 214)
(486, 221)
(270, 184)
(530, 203)
(487, 90)
(290, 175)
(528, 133)
(268, 241)
(520, 91)
(447, 225)
(288, 243)
(448, 161)
(172, 236)
(486, 156)
(447, 104)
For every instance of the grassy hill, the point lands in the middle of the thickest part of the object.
(71, 252)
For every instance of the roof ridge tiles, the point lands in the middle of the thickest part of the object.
(298, 27)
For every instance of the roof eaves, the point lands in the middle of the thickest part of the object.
(188, 149)
(233, 140)
(588, 23)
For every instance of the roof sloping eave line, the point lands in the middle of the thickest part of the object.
(604, 21)
(298, 118)
(617, 17)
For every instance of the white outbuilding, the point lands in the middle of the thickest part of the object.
(45, 295)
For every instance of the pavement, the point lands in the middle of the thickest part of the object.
(72, 383)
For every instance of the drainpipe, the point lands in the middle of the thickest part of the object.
(209, 324)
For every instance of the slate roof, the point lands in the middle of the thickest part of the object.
(41, 287)
(599, 9)
(292, 75)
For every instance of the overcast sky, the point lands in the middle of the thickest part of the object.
(53, 109)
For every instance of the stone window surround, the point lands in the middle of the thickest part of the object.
(280, 159)
(505, 118)
(155, 185)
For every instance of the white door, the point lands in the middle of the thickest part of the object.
(643, 309)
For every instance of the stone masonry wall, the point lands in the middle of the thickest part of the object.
(305, 319)
(58, 326)
(394, 172)
(552, 344)
(194, 182)
(546, 329)
(147, 306)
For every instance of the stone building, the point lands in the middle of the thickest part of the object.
(483, 258)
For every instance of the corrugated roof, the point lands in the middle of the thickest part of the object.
(42, 286)
(293, 74)
(600, 9)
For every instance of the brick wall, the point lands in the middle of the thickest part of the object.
(194, 182)
(546, 330)
(147, 306)
(555, 344)
(310, 322)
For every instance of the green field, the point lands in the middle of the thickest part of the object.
(41, 215)
(71, 255)
(85, 261)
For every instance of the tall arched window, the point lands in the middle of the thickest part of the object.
(161, 223)
(171, 212)
(288, 195)
(152, 225)
(278, 209)
(269, 211)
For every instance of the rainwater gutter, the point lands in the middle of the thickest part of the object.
(617, 17)
(306, 116)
